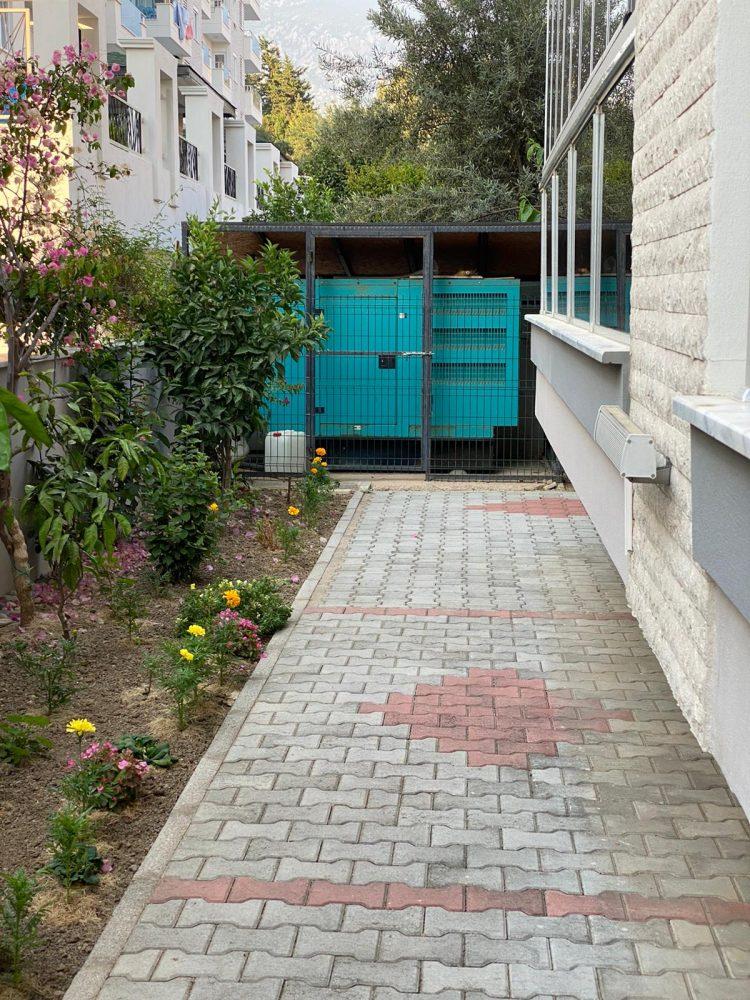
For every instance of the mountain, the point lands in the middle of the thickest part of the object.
(301, 27)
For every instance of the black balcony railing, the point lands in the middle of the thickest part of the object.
(230, 181)
(188, 159)
(125, 124)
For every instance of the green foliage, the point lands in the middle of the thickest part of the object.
(19, 920)
(74, 859)
(14, 409)
(315, 490)
(181, 677)
(260, 602)
(223, 335)
(75, 502)
(155, 752)
(51, 665)
(20, 739)
(289, 115)
(127, 604)
(306, 200)
(181, 529)
(376, 179)
(288, 535)
(103, 777)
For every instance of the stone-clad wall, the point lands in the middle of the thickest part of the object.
(672, 171)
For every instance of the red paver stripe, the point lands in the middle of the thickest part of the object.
(706, 910)
(511, 614)
(535, 507)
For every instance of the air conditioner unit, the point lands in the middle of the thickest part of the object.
(630, 450)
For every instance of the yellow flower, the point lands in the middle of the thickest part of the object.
(324, 465)
(186, 654)
(213, 507)
(314, 471)
(232, 597)
(192, 586)
(321, 452)
(80, 728)
(317, 461)
(292, 511)
(197, 630)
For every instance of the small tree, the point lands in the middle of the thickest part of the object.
(49, 288)
(224, 332)
(305, 200)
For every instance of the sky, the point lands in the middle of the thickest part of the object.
(299, 26)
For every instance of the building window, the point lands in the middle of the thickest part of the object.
(587, 174)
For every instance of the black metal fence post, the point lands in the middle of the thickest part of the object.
(428, 248)
(310, 355)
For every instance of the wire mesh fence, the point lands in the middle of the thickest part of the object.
(376, 382)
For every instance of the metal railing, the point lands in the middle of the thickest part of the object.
(125, 124)
(188, 159)
(230, 181)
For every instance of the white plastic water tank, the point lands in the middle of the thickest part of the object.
(285, 452)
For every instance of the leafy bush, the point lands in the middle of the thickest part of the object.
(156, 753)
(51, 665)
(74, 859)
(231, 636)
(20, 740)
(315, 489)
(182, 514)
(258, 600)
(181, 671)
(287, 534)
(103, 777)
(18, 920)
(127, 604)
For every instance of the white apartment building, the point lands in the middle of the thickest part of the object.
(186, 131)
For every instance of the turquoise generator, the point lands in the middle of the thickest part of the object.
(368, 375)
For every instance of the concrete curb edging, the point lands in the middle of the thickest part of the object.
(92, 975)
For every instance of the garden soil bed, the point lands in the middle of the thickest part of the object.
(110, 692)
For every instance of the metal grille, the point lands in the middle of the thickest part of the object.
(125, 124)
(369, 382)
(188, 159)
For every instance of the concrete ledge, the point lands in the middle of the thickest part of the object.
(91, 977)
(602, 349)
(722, 418)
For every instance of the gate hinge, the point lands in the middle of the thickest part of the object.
(416, 354)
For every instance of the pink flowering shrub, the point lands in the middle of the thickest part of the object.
(239, 635)
(103, 777)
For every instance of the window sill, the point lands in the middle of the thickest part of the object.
(725, 419)
(593, 345)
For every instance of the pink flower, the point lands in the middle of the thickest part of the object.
(69, 764)
(107, 866)
(115, 67)
(56, 57)
(87, 281)
(294, 579)
(122, 765)
(82, 251)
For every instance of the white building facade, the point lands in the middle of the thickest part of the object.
(657, 325)
(187, 129)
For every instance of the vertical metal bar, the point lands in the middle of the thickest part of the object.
(593, 36)
(310, 356)
(555, 110)
(597, 191)
(580, 45)
(547, 82)
(571, 247)
(185, 238)
(607, 24)
(571, 35)
(555, 237)
(564, 61)
(620, 249)
(543, 302)
(428, 249)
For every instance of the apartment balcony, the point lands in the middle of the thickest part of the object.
(131, 18)
(253, 106)
(218, 27)
(230, 181)
(221, 80)
(125, 126)
(251, 51)
(251, 10)
(188, 159)
(167, 22)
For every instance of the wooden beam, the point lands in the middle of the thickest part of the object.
(341, 256)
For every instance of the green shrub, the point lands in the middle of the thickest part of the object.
(259, 601)
(74, 858)
(287, 535)
(156, 753)
(19, 922)
(315, 490)
(103, 777)
(51, 665)
(182, 516)
(181, 669)
(127, 604)
(19, 738)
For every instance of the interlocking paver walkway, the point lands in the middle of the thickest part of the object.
(465, 777)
